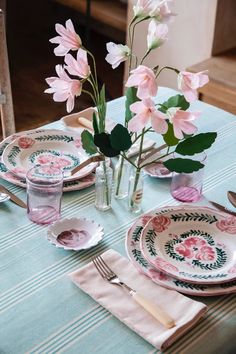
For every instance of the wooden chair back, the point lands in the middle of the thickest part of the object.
(6, 104)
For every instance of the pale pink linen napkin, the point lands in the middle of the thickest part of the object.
(184, 311)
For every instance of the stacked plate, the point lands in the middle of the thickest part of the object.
(188, 249)
(21, 151)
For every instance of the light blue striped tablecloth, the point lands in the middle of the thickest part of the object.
(42, 311)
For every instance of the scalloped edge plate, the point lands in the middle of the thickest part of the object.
(135, 256)
(195, 246)
(75, 233)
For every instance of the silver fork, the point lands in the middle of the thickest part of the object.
(157, 312)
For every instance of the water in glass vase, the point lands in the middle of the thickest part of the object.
(103, 186)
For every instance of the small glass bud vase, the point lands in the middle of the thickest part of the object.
(121, 177)
(103, 185)
(135, 189)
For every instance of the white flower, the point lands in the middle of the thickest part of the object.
(157, 34)
(116, 54)
(160, 11)
(142, 8)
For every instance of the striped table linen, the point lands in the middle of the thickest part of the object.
(42, 311)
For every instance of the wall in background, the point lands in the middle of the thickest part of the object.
(190, 37)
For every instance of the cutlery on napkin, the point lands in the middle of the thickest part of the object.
(13, 197)
(184, 311)
(156, 311)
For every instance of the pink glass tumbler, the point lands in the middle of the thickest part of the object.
(187, 187)
(44, 191)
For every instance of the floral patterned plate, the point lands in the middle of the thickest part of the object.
(8, 176)
(134, 253)
(157, 169)
(197, 246)
(52, 146)
(75, 233)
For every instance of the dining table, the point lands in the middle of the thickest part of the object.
(43, 311)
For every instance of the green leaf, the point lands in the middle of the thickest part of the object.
(102, 140)
(183, 165)
(120, 138)
(196, 144)
(88, 143)
(175, 101)
(169, 136)
(102, 109)
(95, 123)
(131, 97)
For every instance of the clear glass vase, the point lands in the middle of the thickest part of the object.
(121, 177)
(135, 191)
(103, 185)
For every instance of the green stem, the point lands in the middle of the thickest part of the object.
(106, 182)
(169, 68)
(159, 158)
(127, 159)
(146, 54)
(90, 94)
(136, 180)
(119, 175)
(141, 147)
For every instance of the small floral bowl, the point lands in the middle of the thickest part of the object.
(75, 233)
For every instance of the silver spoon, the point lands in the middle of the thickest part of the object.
(4, 197)
(232, 198)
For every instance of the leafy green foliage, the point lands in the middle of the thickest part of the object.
(95, 123)
(102, 141)
(175, 101)
(183, 165)
(196, 144)
(169, 136)
(102, 109)
(88, 142)
(120, 138)
(131, 97)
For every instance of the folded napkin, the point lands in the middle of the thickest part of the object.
(184, 311)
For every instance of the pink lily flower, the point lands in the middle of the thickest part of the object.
(117, 53)
(64, 88)
(145, 111)
(78, 67)
(182, 121)
(157, 34)
(188, 83)
(144, 78)
(68, 39)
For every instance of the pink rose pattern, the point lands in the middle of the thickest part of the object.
(164, 265)
(78, 143)
(195, 248)
(59, 162)
(228, 224)
(25, 142)
(160, 223)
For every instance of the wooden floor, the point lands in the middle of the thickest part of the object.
(30, 25)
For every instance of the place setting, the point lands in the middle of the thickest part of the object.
(126, 213)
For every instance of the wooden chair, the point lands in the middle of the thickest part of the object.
(6, 105)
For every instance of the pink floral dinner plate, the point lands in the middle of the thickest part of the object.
(62, 149)
(75, 233)
(134, 253)
(196, 246)
(8, 176)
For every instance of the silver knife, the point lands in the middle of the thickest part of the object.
(222, 208)
(232, 198)
(13, 197)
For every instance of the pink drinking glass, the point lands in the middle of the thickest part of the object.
(187, 187)
(44, 191)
